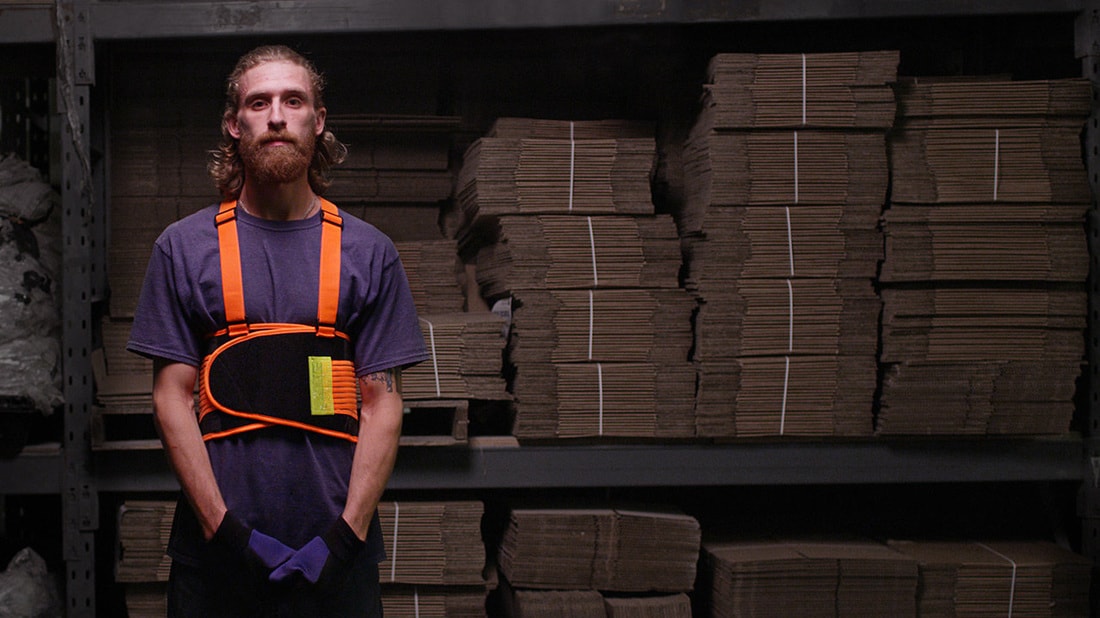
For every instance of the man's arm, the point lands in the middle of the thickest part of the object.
(174, 415)
(380, 420)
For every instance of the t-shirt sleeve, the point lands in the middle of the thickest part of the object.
(388, 334)
(161, 328)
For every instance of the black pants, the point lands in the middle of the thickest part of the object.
(226, 587)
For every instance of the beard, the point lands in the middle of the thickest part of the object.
(278, 164)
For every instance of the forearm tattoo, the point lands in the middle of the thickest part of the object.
(390, 377)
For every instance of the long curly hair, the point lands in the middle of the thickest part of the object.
(226, 167)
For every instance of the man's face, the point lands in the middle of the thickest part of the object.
(276, 124)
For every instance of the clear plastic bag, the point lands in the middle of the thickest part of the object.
(27, 590)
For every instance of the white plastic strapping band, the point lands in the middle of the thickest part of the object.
(996, 161)
(599, 383)
(790, 316)
(1012, 589)
(796, 167)
(416, 601)
(435, 362)
(790, 239)
(592, 242)
(393, 557)
(786, 380)
(803, 88)
(591, 321)
(572, 163)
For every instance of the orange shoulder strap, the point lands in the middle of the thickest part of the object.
(328, 293)
(232, 285)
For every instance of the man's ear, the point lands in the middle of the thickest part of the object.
(319, 122)
(232, 127)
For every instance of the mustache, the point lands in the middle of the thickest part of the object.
(277, 136)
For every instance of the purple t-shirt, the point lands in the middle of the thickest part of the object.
(290, 484)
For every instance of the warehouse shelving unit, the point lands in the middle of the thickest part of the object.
(79, 475)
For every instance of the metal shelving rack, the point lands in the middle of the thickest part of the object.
(79, 474)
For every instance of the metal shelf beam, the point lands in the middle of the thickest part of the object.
(779, 463)
(148, 19)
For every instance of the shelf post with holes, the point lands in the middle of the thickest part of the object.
(79, 498)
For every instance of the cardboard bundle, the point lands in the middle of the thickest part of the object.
(756, 317)
(977, 323)
(985, 257)
(432, 542)
(767, 579)
(466, 358)
(977, 164)
(662, 606)
(577, 176)
(848, 89)
(569, 252)
(786, 396)
(552, 603)
(827, 240)
(785, 176)
(143, 529)
(844, 577)
(757, 168)
(603, 325)
(135, 223)
(983, 578)
(146, 600)
(873, 579)
(590, 400)
(1024, 99)
(433, 601)
(393, 158)
(543, 128)
(990, 252)
(600, 549)
(986, 397)
(431, 267)
(167, 162)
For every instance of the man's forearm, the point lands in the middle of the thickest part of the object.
(379, 433)
(174, 415)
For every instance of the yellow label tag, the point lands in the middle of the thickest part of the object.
(320, 386)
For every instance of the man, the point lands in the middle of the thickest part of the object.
(282, 307)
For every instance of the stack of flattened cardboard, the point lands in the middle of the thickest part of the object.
(600, 549)
(852, 577)
(1018, 578)
(564, 230)
(143, 528)
(579, 252)
(761, 578)
(433, 602)
(785, 177)
(393, 158)
(551, 603)
(661, 606)
(534, 166)
(986, 258)
(432, 269)
(141, 559)
(603, 362)
(432, 542)
(435, 558)
(466, 355)
(822, 90)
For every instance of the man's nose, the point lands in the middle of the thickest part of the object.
(276, 120)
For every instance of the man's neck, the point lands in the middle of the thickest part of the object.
(284, 202)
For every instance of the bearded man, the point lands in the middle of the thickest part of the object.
(295, 319)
